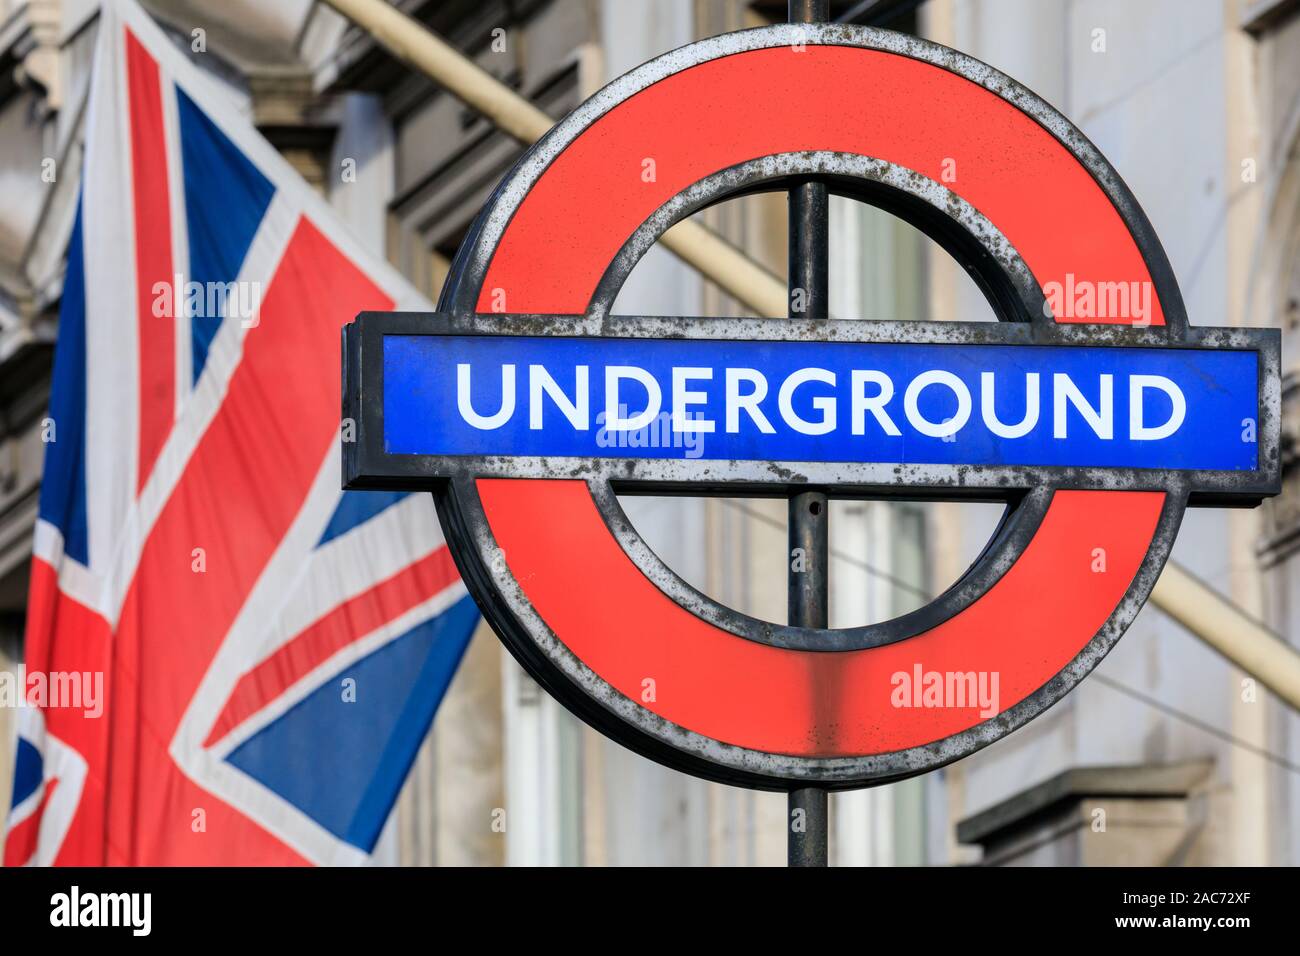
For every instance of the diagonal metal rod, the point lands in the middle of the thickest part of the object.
(809, 558)
(1205, 613)
(694, 243)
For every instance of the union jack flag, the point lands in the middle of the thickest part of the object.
(272, 649)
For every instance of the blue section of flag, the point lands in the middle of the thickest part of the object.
(225, 199)
(356, 508)
(63, 485)
(343, 762)
(29, 771)
(813, 401)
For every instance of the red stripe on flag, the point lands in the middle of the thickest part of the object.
(354, 618)
(20, 842)
(153, 255)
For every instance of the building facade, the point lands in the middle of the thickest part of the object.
(1166, 755)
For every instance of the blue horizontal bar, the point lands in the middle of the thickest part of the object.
(835, 409)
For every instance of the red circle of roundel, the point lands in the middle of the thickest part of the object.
(1036, 619)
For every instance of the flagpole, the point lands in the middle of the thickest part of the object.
(1200, 609)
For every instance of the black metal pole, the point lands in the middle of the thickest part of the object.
(809, 251)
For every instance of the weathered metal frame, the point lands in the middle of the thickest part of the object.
(997, 269)
(950, 220)
(369, 465)
(483, 566)
(459, 294)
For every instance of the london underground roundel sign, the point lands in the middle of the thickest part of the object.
(1093, 409)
